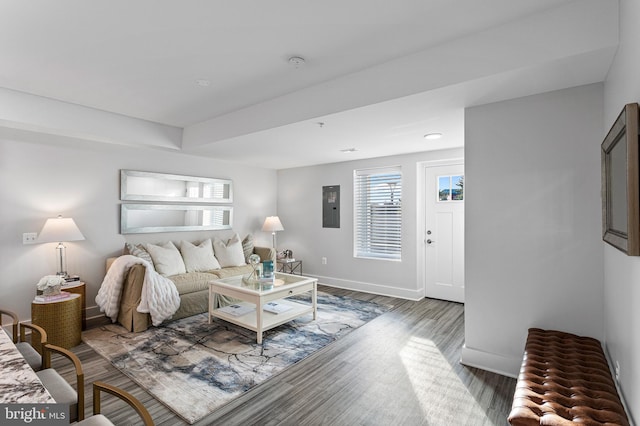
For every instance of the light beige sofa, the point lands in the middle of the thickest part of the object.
(193, 287)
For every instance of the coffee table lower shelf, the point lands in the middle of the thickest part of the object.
(269, 319)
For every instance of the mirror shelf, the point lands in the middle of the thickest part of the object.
(151, 218)
(149, 186)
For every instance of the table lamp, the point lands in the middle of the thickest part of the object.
(59, 230)
(272, 224)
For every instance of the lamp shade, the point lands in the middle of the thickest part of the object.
(272, 224)
(60, 229)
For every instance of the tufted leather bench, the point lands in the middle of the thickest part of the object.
(564, 380)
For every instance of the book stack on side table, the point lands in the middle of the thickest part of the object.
(52, 297)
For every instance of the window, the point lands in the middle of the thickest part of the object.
(450, 188)
(378, 213)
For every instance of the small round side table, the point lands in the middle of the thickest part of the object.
(61, 319)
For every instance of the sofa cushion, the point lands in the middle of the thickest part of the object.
(229, 253)
(247, 247)
(198, 258)
(166, 259)
(232, 271)
(192, 281)
(138, 250)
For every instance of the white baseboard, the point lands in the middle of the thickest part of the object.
(500, 364)
(365, 287)
(93, 311)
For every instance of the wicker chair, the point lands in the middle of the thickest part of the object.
(99, 420)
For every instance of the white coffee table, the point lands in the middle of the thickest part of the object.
(254, 297)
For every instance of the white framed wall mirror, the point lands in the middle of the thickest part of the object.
(148, 218)
(149, 186)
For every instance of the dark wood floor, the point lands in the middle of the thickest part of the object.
(376, 375)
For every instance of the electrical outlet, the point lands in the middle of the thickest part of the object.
(29, 237)
(324, 260)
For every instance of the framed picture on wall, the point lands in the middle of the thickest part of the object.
(621, 183)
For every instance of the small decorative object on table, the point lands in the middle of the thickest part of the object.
(268, 277)
(50, 285)
(254, 260)
(253, 278)
(285, 254)
(267, 269)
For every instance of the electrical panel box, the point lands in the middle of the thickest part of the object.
(331, 206)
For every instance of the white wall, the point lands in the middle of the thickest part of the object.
(81, 180)
(533, 241)
(622, 273)
(300, 210)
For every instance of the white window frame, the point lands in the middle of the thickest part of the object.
(377, 235)
(450, 200)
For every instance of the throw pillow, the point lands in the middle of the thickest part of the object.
(229, 254)
(167, 259)
(198, 258)
(247, 247)
(139, 251)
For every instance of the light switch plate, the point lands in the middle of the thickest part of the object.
(29, 237)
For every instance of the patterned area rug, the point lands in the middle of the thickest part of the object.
(194, 367)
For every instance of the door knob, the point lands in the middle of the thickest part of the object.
(430, 241)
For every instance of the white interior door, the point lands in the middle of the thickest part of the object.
(444, 232)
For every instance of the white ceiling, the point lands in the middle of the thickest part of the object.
(378, 74)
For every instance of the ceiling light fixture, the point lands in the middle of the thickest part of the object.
(433, 136)
(348, 150)
(296, 61)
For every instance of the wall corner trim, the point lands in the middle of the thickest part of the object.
(499, 364)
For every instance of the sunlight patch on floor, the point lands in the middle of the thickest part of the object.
(443, 398)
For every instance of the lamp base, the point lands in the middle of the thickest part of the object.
(62, 260)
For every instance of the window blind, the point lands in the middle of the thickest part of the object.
(378, 213)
